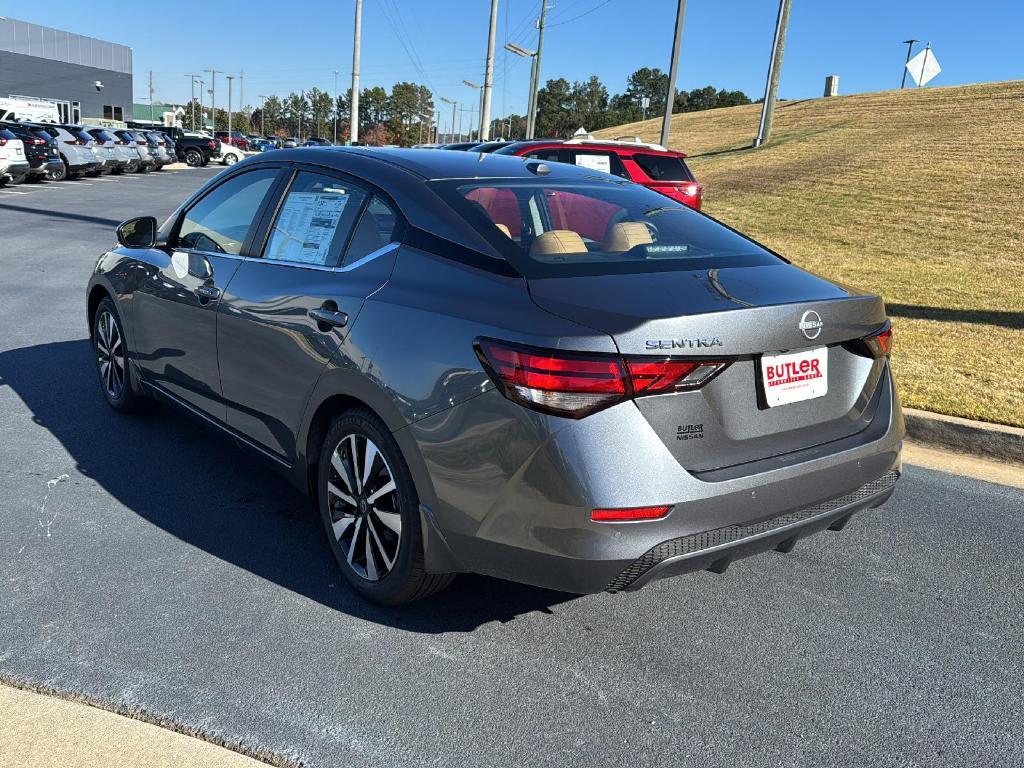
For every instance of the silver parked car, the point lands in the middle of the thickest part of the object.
(109, 149)
(158, 148)
(474, 363)
(142, 161)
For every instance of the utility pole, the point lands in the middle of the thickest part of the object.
(354, 111)
(241, 89)
(532, 125)
(673, 73)
(485, 107)
(213, 98)
(151, 95)
(230, 79)
(480, 99)
(263, 115)
(335, 106)
(910, 51)
(771, 88)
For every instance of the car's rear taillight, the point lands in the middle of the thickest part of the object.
(3, 141)
(880, 343)
(211, 144)
(577, 384)
(689, 193)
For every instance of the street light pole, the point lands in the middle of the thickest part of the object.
(213, 98)
(455, 105)
(673, 72)
(910, 50)
(263, 115)
(528, 54)
(230, 79)
(771, 88)
(485, 106)
(354, 111)
(193, 102)
(335, 106)
(479, 87)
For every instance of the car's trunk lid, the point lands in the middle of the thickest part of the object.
(738, 314)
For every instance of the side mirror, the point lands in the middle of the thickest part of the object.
(138, 233)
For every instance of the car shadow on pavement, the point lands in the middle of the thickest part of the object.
(180, 476)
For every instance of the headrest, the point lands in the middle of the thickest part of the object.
(626, 235)
(558, 241)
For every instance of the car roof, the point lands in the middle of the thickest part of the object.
(439, 165)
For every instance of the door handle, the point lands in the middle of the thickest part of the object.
(331, 318)
(208, 292)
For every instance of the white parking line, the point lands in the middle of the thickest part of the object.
(11, 192)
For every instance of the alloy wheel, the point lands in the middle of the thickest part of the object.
(363, 502)
(109, 355)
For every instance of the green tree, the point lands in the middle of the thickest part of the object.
(296, 114)
(555, 115)
(321, 112)
(273, 115)
(590, 104)
(645, 82)
(373, 106)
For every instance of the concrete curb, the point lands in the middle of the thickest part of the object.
(966, 436)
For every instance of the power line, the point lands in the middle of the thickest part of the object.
(585, 13)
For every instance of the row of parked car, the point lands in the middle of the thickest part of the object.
(650, 165)
(35, 151)
(253, 142)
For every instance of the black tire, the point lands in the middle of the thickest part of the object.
(62, 174)
(193, 158)
(125, 395)
(230, 159)
(158, 168)
(407, 579)
(143, 168)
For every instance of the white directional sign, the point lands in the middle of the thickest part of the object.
(924, 66)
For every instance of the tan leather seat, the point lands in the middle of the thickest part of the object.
(558, 241)
(504, 230)
(625, 235)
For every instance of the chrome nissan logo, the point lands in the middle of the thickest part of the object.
(810, 323)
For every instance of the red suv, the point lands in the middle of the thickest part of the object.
(652, 165)
(235, 137)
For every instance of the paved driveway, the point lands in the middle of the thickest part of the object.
(146, 563)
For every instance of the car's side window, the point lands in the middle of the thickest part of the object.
(220, 221)
(551, 155)
(314, 220)
(376, 229)
(606, 162)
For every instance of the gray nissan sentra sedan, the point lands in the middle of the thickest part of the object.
(529, 370)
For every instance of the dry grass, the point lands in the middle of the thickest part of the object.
(917, 195)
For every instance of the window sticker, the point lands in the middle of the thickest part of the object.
(601, 163)
(305, 229)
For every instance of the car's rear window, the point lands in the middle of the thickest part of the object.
(553, 228)
(663, 167)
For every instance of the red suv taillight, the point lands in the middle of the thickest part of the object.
(689, 193)
(212, 144)
(577, 384)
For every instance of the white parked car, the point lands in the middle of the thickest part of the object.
(14, 166)
(230, 154)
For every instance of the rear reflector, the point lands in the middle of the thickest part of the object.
(577, 384)
(630, 514)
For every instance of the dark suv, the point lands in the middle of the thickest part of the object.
(40, 150)
(652, 165)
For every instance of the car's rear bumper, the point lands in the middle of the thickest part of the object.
(15, 169)
(511, 496)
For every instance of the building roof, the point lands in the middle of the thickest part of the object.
(56, 45)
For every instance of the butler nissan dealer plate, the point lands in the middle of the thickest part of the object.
(794, 376)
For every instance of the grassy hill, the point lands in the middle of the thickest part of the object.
(917, 195)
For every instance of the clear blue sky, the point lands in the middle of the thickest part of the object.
(725, 43)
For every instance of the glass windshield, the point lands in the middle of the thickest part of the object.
(551, 229)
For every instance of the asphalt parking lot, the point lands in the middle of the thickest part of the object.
(147, 565)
